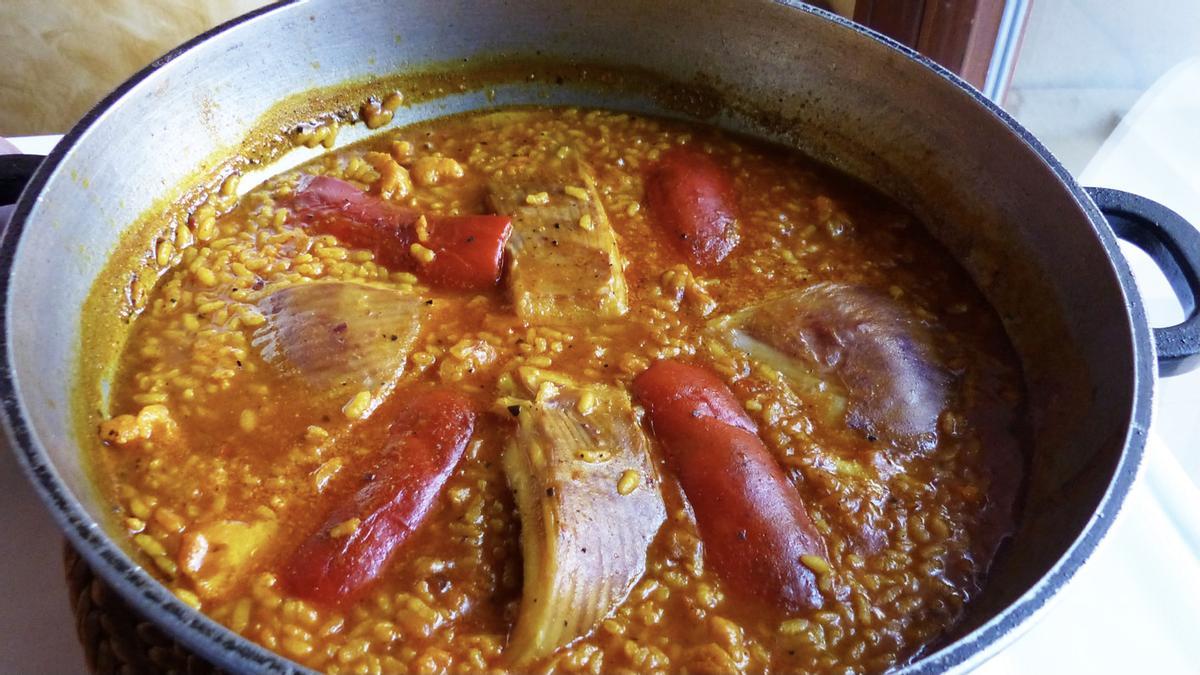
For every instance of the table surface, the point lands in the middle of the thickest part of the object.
(1132, 608)
(37, 627)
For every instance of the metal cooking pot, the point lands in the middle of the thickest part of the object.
(1036, 243)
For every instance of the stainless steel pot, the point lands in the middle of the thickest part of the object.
(1033, 240)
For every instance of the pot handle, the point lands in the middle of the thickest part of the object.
(15, 172)
(1174, 245)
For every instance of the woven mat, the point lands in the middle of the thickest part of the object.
(115, 638)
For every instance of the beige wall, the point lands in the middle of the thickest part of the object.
(59, 57)
(1084, 63)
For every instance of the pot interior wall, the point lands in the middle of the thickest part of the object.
(990, 198)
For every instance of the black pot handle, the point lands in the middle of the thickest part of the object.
(15, 172)
(1174, 245)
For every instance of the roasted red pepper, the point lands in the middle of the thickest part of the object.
(362, 534)
(692, 196)
(468, 251)
(752, 521)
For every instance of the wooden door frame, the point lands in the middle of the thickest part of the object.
(959, 34)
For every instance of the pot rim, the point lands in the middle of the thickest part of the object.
(222, 646)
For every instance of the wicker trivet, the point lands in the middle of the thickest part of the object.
(115, 638)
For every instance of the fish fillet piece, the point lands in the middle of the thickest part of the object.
(564, 263)
(873, 360)
(590, 505)
(340, 338)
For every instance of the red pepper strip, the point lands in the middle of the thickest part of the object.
(752, 521)
(692, 196)
(426, 442)
(468, 250)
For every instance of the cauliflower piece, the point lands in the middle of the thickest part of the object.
(394, 181)
(467, 356)
(153, 421)
(432, 170)
(217, 555)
